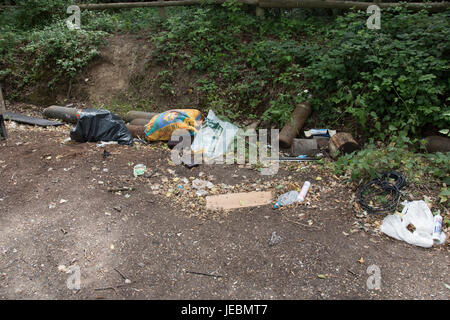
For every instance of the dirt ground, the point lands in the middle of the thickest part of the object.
(61, 206)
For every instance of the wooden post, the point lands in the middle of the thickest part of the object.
(162, 11)
(3, 134)
(260, 12)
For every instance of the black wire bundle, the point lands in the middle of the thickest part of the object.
(369, 191)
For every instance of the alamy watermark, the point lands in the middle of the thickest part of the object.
(374, 280)
(74, 21)
(374, 21)
(74, 280)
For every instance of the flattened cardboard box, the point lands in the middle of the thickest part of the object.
(238, 200)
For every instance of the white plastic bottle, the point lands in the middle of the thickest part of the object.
(437, 229)
(292, 196)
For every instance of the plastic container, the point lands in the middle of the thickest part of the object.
(292, 196)
(437, 229)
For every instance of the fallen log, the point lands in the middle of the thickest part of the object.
(293, 126)
(437, 144)
(342, 142)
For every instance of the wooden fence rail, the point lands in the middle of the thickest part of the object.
(261, 4)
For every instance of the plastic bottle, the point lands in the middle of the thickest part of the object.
(437, 229)
(292, 196)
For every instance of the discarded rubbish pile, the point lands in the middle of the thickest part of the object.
(211, 138)
(382, 195)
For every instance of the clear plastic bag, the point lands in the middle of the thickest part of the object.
(414, 213)
(214, 137)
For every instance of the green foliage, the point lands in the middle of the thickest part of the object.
(50, 54)
(34, 13)
(244, 65)
(388, 81)
(391, 79)
(62, 50)
(396, 155)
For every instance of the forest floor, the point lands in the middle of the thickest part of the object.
(60, 208)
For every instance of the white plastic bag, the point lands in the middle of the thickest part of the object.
(214, 137)
(417, 214)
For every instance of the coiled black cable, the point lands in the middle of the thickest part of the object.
(389, 192)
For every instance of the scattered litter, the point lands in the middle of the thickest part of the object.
(320, 133)
(139, 170)
(292, 196)
(106, 154)
(238, 200)
(63, 268)
(202, 184)
(65, 141)
(201, 193)
(302, 157)
(417, 214)
(214, 137)
(105, 143)
(437, 229)
(274, 239)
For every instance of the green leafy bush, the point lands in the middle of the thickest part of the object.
(29, 14)
(396, 155)
(62, 51)
(391, 79)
